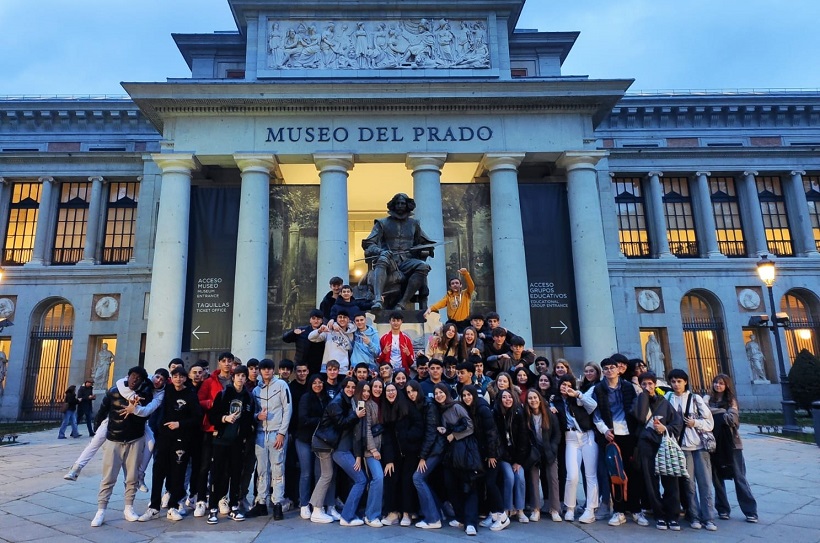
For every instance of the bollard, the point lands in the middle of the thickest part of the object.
(815, 414)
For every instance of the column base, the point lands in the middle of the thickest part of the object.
(38, 263)
(666, 256)
(86, 263)
(716, 254)
(811, 254)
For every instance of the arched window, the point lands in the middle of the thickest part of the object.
(804, 324)
(704, 340)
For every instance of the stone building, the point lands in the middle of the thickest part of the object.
(208, 213)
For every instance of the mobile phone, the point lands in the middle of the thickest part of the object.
(658, 417)
(361, 405)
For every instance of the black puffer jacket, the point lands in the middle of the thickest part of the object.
(485, 429)
(513, 434)
(338, 418)
(311, 408)
(123, 429)
(433, 443)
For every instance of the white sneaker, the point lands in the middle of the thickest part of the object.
(71, 475)
(428, 525)
(173, 514)
(99, 518)
(131, 515)
(287, 505)
(470, 530)
(617, 519)
(522, 517)
(333, 513)
(556, 516)
(200, 510)
(405, 520)
(320, 516)
(142, 487)
(501, 522)
(224, 507)
(535, 516)
(375, 523)
(354, 522)
(304, 512)
(166, 499)
(150, 514)
(588, 517)
(391, 519)
(640, 519)
(569, 516)
(456, 524)
(487, 522)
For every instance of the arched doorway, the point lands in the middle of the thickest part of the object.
(49, 360)
(802, 308)
(703, 336)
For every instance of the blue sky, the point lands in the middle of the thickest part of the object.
(86, 47)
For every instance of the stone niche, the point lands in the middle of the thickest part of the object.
(389, 44)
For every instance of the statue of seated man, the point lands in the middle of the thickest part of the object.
(392, 248)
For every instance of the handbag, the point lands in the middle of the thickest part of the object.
(707, 439)
(464, 454)
(670, 460)
(617, 472)
(64, 407)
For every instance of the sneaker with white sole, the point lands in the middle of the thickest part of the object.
(333, 513)
(304, 512)
(696, 525)
(487, 522)
(456, 524)
(287, 505)
(556, 516)
(200, 510)
(522, 517)
(375, 523)
(428, 525)
(142, 486)
(236, 514)
(71, 475)
(710, 526)
(588, 517)
(224, 507)
(406, 520)
(173, 514)
(501, 522)
(391, 519)
(470, 530)
(569, 516)
(213, 516)
(166, 499)
(640, 519)
(352, 522)
(320, 516)
(535, 516)
(129, 514)
(617, 519)
(99, 518)
(150, 514)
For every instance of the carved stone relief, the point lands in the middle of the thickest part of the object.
(377, 45)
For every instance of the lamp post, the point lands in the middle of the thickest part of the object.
(766, 271)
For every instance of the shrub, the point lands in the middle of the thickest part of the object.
(804, 380)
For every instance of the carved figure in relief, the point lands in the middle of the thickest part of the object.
(328, 46)
(310, 42)
(446, 41)
(4, 366)
(362, 47)
(756, 359)
(275, 46)
(292, 48)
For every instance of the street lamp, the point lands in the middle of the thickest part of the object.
(766, 271)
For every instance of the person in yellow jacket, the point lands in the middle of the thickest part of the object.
(457, 300)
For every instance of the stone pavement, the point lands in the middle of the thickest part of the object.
(37, 504)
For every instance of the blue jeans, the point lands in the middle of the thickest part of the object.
(373, 510)
(427, 502)
(308, 471)
(346, 461)
(69, 417)
(701, 504)
(515, 487)
(745, 499)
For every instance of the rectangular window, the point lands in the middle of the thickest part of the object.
(120, 222)
(23, 211)
(72, 221)
(775, 220)
(632, 232)
(728, 226)
(811, 183)
(680, 223)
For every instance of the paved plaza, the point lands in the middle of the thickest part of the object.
(37, 504)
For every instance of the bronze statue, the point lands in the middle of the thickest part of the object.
(396, 250)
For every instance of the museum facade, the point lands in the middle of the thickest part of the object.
(208, 213)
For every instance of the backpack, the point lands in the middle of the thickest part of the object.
(617, 473)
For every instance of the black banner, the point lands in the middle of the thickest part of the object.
(547, 242)
(214, 225)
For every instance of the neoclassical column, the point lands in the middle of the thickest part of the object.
(797, 208)
(657, 215)
(705, 216)
(170, 266)
(47, 200)
(5, 202)
(427, 194)
(509, 258)
(757, 243)
(250, 301)
(92, 232)
(596, 313)
(333, 250)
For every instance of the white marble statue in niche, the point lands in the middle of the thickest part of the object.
(378, 45)
(757, 360)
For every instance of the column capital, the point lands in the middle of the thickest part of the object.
(333, 162)
(583, 160)
(798, 172)
(707, 174)
(750, 173)
(4, 180)
(99, 178)
(654, 173)
(182, 163)
(502, 161)
(425, 161)
(254, 162)
(47, 179)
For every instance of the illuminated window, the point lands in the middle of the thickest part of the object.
(23, 210)
(72, 219)
(811, 184)
(728, 227)
(120, 223)
(775, 220)
(680, 224)
(803, 326)
(703, 340)
(632, 232)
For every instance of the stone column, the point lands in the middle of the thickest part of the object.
(754, 218)
(92, 232)
(333, 250)
(657, 215)
(47, 201)
(705, 217)
(170, 266)
(511, 287)
(250, 300)
(427, 194)
(596, 313)
(5, 202)
(797, 208)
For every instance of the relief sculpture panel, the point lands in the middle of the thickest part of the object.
(377, 45)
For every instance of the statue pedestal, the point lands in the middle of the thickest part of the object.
(410, 316)
(761, 382)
